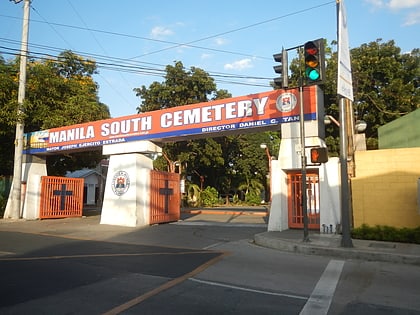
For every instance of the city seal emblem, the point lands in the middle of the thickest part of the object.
(120, 183)
(286, 102)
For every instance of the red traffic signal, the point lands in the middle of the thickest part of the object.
(314, 61)
(319, 155)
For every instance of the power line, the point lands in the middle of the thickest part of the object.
(188, 44)
(149, 71)
(105, 52)
(123, 64)
(126, 65)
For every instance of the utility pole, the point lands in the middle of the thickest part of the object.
(17, 171)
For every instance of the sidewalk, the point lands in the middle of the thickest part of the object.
(330, 245)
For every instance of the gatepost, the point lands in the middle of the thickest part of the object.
(127, 189)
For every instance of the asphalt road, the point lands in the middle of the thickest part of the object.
(190, 267)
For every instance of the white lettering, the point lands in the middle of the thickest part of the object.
(192, 116)
(252, 124)
(260, 105)
(230, 110)
(218, 128)
(53, 137)
(166, 120)
(72, 134)
(136, 123)
(218, 111)
(178, 118)
(244, 108)
(146, 123)
(90, 133)
(133, 125)
(206, 114)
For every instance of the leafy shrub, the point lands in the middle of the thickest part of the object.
(3, 202)
(252, 198)
(209, 197)
(387, 233)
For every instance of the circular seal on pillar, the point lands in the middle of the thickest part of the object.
(286, 102)
(120, 183)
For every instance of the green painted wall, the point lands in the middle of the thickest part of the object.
(403, 132)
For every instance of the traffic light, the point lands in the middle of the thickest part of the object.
(319, 155)
(283, 70)
(314, 62)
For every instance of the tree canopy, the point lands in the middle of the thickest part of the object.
(59, 92)
(225, 163)
(385, 86)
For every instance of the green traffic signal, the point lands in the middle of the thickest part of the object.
(312, 74)
(314, 61)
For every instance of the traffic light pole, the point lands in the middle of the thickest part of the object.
(303, 164)
(345, 187)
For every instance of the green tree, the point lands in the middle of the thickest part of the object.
(180, 87)
(217, 162)
(385, 86)
(202, 158)
(59, 92)
(8, 106)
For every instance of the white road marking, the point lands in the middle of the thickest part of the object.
(248, 289)
(320, 300)
(214, 245)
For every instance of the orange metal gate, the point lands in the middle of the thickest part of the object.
(61, 197)
(295, 200)
(165, 197)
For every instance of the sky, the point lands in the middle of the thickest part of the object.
(234, 41)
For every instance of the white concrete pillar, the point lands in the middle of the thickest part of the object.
(278, 219)
(33, 167)
(127, 190)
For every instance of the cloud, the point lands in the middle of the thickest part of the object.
(412, 7)
(394, 4)
(376, 3)
(403, 4)
(239, 64)
(160, 31)
(220, 41)
(206, 56)
(412, 18)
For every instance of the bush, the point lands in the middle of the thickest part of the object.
(252, 199)
(209, 197)
(387, 233)
(3, 202)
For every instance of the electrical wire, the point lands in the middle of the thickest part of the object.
(128, 66)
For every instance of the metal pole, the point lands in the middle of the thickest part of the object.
(345, 191)
(17, 170)
(303, 165)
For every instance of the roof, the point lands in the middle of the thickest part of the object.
(83, 173)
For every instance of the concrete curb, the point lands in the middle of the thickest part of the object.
(311, 248)
(225, 212)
